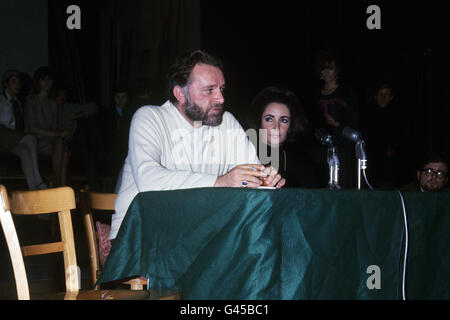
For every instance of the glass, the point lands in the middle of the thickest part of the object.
(431, 172)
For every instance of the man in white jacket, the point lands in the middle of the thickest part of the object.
(189, 141)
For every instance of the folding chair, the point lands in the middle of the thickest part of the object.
(100, 203)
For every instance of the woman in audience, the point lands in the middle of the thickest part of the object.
(41, 116)
(282, 129)
(336, 107)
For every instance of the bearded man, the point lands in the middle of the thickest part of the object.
(189, 141)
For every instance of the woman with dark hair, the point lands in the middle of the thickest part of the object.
(336, 107)
(41, 116)
(281, 125)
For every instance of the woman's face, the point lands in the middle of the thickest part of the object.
(276, 119)
(329, 72)
(45, 83)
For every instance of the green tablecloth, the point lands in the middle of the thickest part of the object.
(225, 243)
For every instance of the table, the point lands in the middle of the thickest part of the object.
(230, 243)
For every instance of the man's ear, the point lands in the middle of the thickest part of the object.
(178, 93)
(418, 175)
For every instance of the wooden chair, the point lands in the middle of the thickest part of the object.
(60, 201)
(12, 241)
(100, 203)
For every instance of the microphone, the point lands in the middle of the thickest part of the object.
(324, 137)
(351, 134)
(354, 136)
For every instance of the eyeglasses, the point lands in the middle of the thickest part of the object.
(430, 172)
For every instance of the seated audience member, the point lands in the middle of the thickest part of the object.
(282, 129)
(141, 94)
(432, 175)
(69, 114)
(84, 143)
(116, 125)
(41, 120)
(189, 141)
(12, 136)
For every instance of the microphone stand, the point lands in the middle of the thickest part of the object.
(332, 158)
(333, 164)
(355, 137)
(362, 160)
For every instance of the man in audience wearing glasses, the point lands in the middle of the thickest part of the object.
(432, 175)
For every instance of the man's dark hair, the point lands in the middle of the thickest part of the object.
(178, 74)
(121, 88)
(8, 75)
(384, 85)
(432, 157)
(299, 122)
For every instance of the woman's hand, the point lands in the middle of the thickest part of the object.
(273, 179)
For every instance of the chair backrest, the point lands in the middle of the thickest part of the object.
(101, 203)
(12, 241)
(56, 200)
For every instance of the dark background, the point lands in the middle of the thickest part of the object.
(263, 43)
(275, 43)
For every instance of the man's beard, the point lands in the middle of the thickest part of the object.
(195, 113)
(431, 186)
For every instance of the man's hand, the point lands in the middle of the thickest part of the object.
(244, 172)
(65, 134)
(255, 175)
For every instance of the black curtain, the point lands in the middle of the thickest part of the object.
(74, 54)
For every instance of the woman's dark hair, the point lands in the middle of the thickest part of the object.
(299, 122)
(40, 73)
(178, 74)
